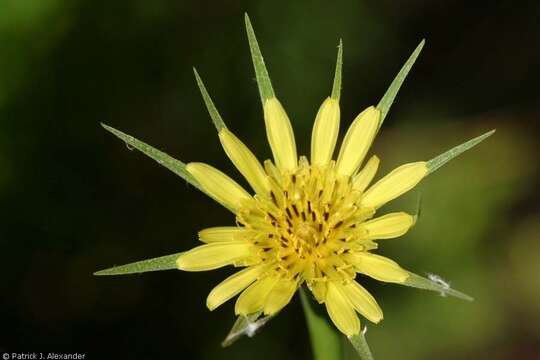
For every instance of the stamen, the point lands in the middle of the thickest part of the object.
(304, 224)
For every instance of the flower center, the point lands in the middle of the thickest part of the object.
(307, 224)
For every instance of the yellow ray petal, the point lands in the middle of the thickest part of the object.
(365, 176)
(213, 256)
(223, 233)
(280, 135)
(357, 141)
(363, 302)
(319, 290)
(280, 296)
(232, 285)
(254, 297)
(340, 310)
(325, 132)
(219, 186)
(398, 182)
(244, 160)
(378, 267)
(388, 226)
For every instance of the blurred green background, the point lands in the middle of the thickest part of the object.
(74, 200)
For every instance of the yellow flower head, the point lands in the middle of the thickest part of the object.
(305, 221)
(309, 222)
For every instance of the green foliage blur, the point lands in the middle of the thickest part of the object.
(73, 199)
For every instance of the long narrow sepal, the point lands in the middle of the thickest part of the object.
(176, 166)
(212, 110)
(167, 262)
(336, 88)
(442, 159)
(361, 346)
(263, 80)
(325, 341)
(434, 283)
(390, 94)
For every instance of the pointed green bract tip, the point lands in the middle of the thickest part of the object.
(212, 110)
(167, 262)
(336, 88)
(390, 94)
(263, 80)
(176, 166)
(435, 163)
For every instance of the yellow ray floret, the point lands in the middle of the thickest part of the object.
(219, 186)
(357, 141)
(364, 177)
(325, 132)
(244, 160)
(395, 184)
(280, 134)
(233, 285)
(213, 256)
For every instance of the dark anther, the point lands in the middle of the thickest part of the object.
(266, 249)
(320, 227)
(294, 179)
(309, 206)
(272, 217)
(289, 215)
(274, 200)
(289, 223)
(295, 209)
(338, 224)
(325, 215)
(303, 216)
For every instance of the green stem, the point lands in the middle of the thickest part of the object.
(325, 341)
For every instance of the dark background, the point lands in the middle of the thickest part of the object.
(74, 200)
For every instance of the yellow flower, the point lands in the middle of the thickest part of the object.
(309, 222)
(312, 222)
